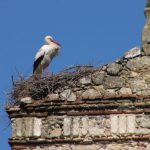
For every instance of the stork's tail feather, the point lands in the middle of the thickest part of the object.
(37, 63)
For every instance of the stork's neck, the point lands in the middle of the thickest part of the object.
(47, 42)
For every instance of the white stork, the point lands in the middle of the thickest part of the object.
(45, 55)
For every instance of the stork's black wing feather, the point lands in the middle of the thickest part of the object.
(37, 62)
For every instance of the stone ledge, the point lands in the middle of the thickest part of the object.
(78, 141)
(92, 113)
(81, 109)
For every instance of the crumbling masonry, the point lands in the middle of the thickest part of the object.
(107, 108)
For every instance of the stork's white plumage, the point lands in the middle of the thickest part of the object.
(45, 55)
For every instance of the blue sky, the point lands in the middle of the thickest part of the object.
(90, 32)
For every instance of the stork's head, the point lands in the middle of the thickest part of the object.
(49, 39)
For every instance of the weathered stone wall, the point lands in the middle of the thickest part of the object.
(82, 127)
(100, 132)
(108, 109)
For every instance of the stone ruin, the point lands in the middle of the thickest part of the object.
(106, 109)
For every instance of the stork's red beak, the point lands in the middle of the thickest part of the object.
(56, 42)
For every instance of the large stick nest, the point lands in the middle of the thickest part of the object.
(39, 88)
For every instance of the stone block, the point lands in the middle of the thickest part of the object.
(67, 126)
(72, 97)
(100, 89)
(125, 92)
(122, 123)
(147, 78)
(137, 85)
(85, 80)
(26, 100)
(57, 132)
(68, 95)
(28, 127)
(17, 125)
(95, 131)
(76, 127)
(139, 63)
(114, 69)
(95, 128)
(134, 52)
(145, 121)
(37, 127)
(110, 93)
(85, 125)
(131, 126)
(98, 77)
(134, 74)
(91, 94)
(114, 82)
(114, 121)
